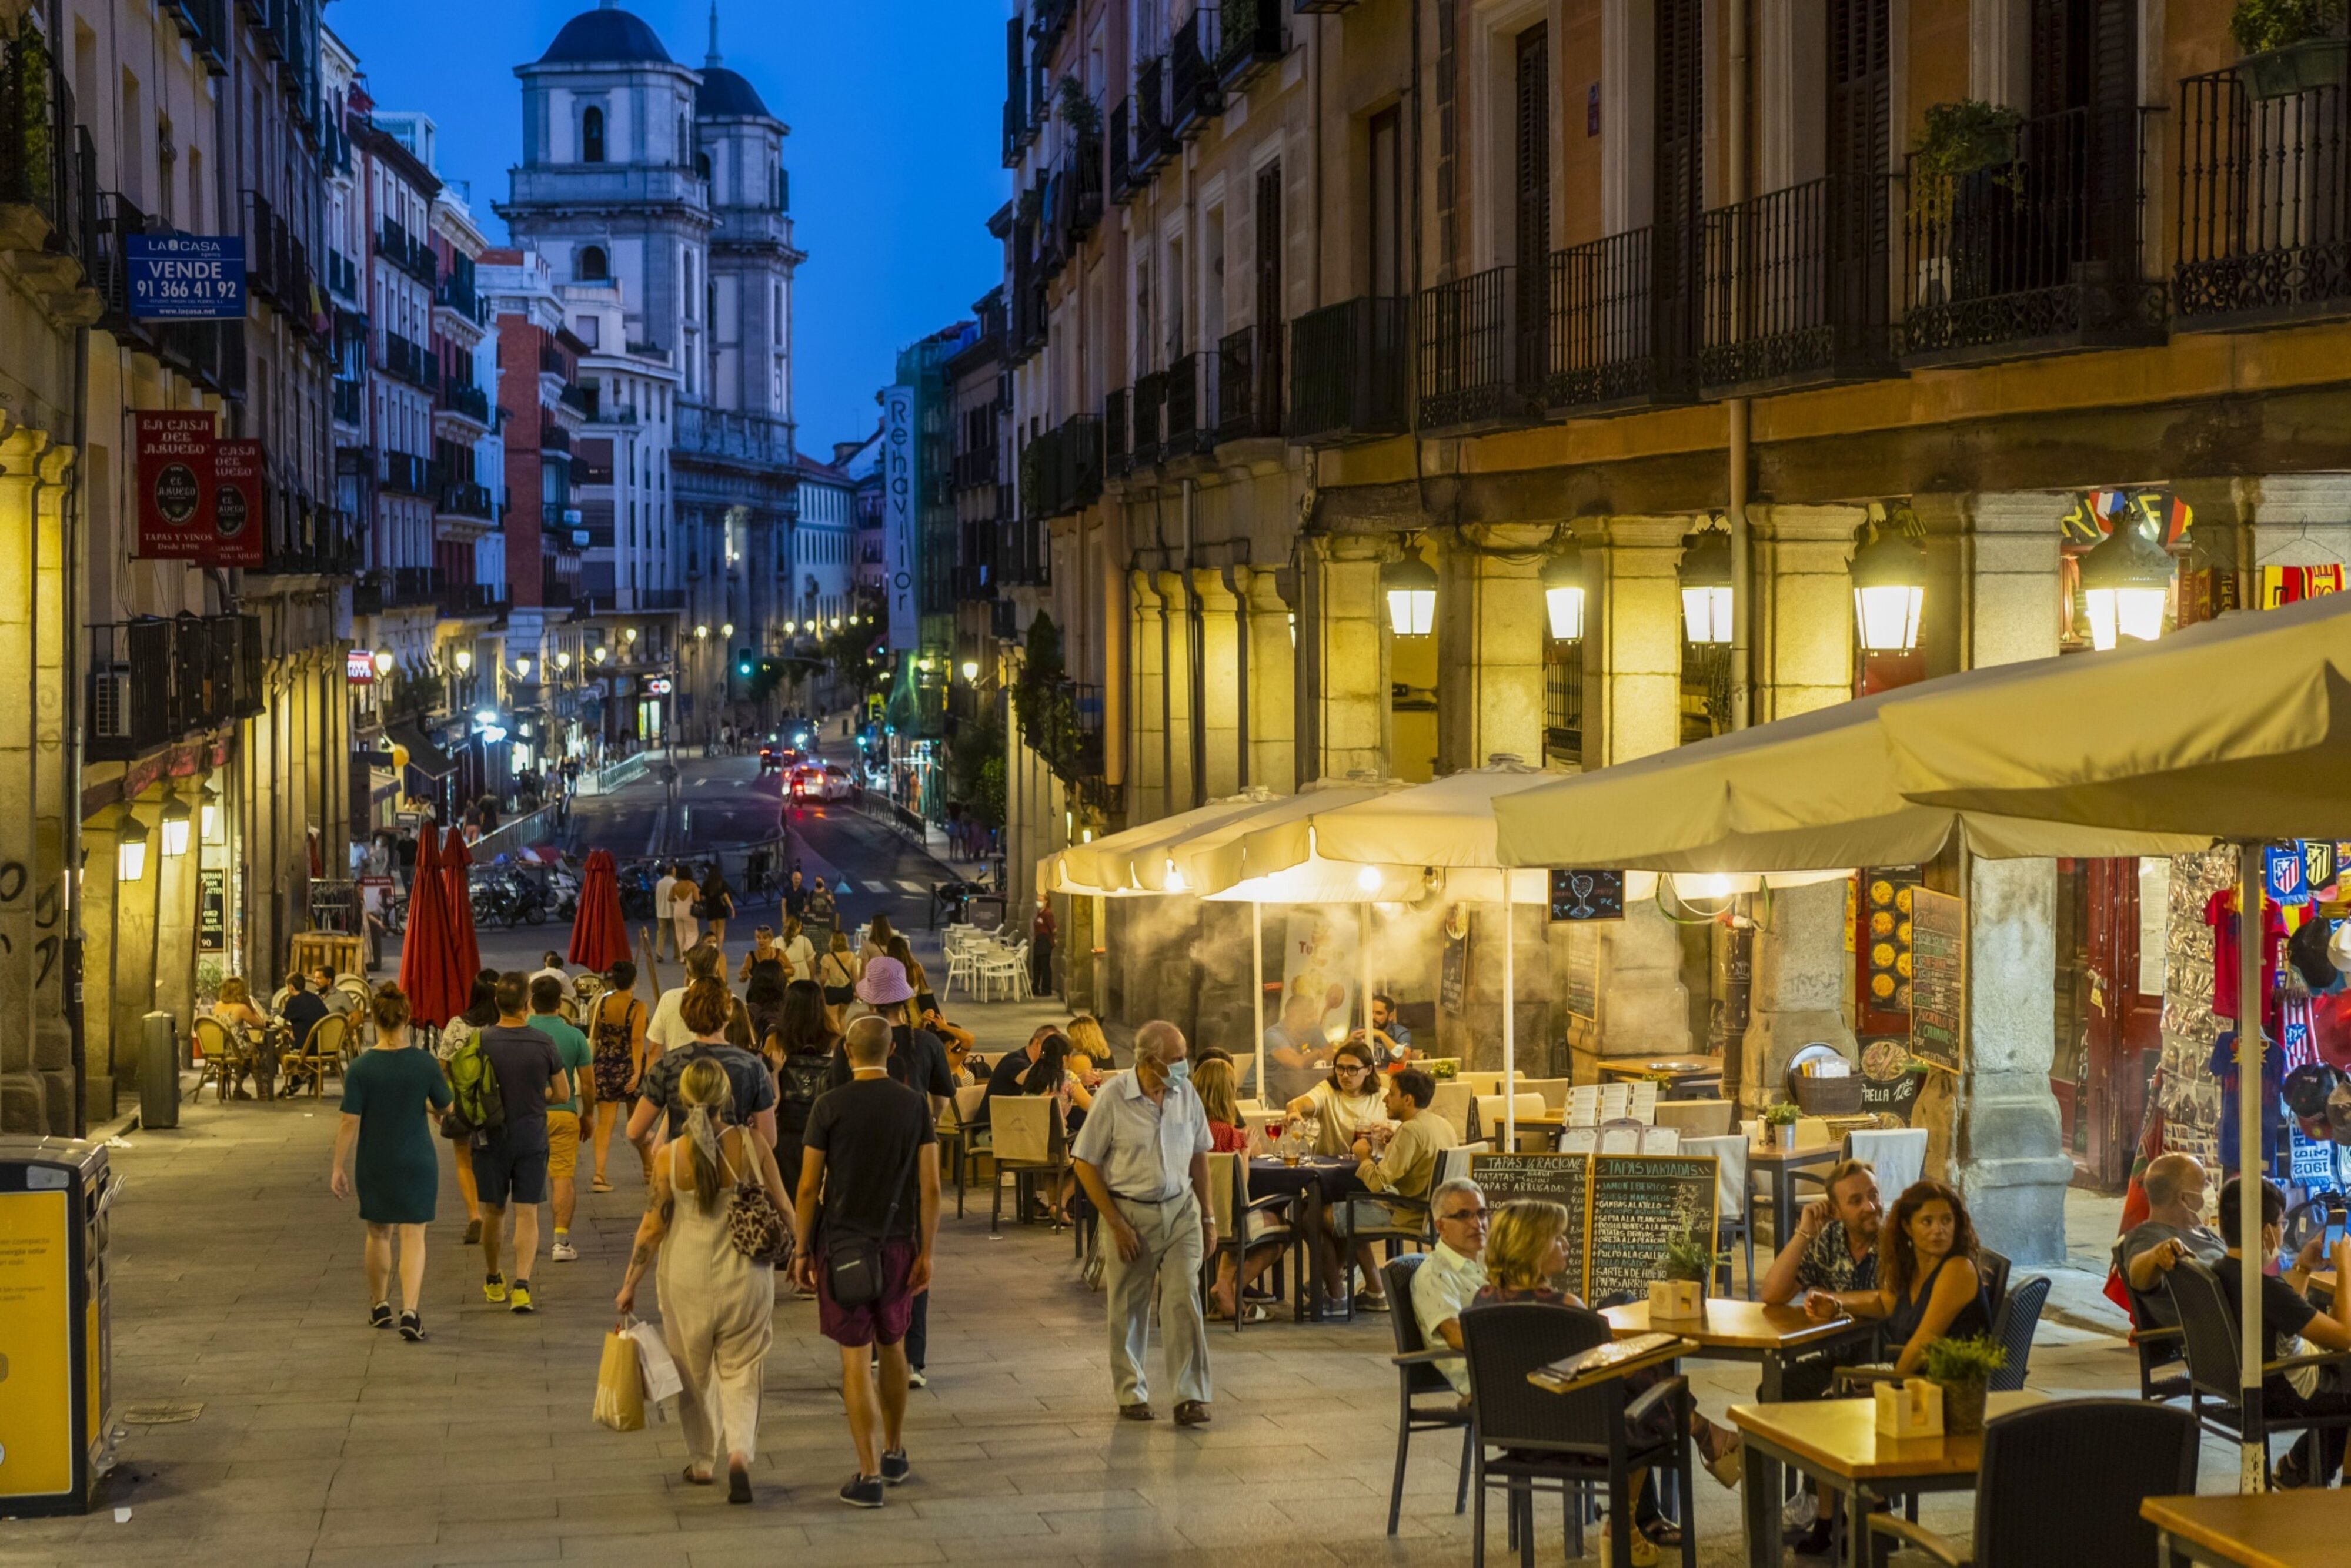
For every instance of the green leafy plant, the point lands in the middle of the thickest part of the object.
(1783, 1114)
(2259, 26)
(1692, 1256)
(1077, 110)
(209, 974)
(1965, 1362)
(1960, 138)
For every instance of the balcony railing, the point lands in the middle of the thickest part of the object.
(44, 162)
(1197, 91)
(1048, 19)
(410, 253)
(465, 500)
(305, 539)
(1481, 350)
(1182, 430)
(1249, 385)
(411, 585)
(1155, 140)
(342, 275)
(1350, 369)
(1062, 721)
(211, 353)
(1254, 41)
(1122, 183)
(1062, 470)
(1148, 410)
(1620, 325)
(469, 599)
(350, 398)
(1118, 452)
(553, 437)
(661, 599)
(154, 680)
(2037, 254)
(977, 468)
(405, 473)
(1793, 288)
(721, 433)
(456, 292)
(1023, 556)
(409, 361)
(2265, 205)
(470, 401)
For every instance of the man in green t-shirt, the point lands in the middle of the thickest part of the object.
(565, 1119)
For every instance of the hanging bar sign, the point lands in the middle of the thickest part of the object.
(175, 483)
(186, 277)
(236, 505)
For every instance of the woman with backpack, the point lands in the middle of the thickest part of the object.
(799, 1053)
(616, 1036)
(481, 1012)
(717, 1303)
(765, 971)
(390, 1094)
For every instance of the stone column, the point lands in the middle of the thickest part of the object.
(1343, 655)
(1177, 628)
(99, 887)
(1220, 684)
(176, 921)
(1804, 612)
(1633, 639)
(23, 1099)
(1146, 793)
(1491, 625)
(1272, 681)
(2294, 519)
(137, 908)
(1801, 976)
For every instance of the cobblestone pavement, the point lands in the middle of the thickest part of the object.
(322, 1442)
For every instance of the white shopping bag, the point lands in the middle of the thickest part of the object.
(661, 1379)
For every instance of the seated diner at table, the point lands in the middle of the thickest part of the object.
(1212, 1080)
(1296, 1048)
(1452, 1274)
(1391, 1039)
(234, 1007)
(2174, 1230)
(1398, 1165)
(2289, 1318)
(1928, 1287)
(1347, 1104)
(1087, 1039)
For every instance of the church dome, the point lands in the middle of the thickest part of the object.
(605, 34)
(725, 95)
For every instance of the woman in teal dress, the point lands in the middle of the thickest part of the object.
(390, 1092)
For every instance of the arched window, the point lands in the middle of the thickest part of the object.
(684, 143)
(593, 266)
(701, 164)
(592, 136)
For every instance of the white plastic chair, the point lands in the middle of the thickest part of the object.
(1898, 1156)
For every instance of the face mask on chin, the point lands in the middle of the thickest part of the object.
(1179, 1071)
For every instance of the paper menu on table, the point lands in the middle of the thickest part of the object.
(1615, 1101)
(1584, 1105)
(1620, 1140)
(1581, 1140)
(1644, 1107)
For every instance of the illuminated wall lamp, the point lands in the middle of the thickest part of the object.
(1888, 592)
(1411, 588)
(1706, 588)
(1562, 581)
(2125, 584)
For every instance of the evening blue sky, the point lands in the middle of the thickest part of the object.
(895, 108)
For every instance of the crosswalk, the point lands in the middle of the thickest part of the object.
(903, 884)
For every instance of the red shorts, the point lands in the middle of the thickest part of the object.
(881, 1321)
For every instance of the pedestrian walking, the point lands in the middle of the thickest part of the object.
(717, 904)
(684, 897)
(1143, 1158)
(796, 896)
(799, 951)
(800, 1054)
(717, 1305)
(1042, 929)
(667, 1030)
(565, 1120)
(510, 1159)
(663, 929)
(820, 909)
(867, 1215)
(619, 1047)
(706, 1012)
(765, 971)
(837, 973)
(390, 1094)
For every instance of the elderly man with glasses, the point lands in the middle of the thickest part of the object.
(1450, 1280)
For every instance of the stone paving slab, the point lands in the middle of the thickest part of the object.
(323, 1442)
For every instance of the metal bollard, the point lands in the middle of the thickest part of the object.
(159, 1071)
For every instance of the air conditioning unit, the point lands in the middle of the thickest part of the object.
(109, 702)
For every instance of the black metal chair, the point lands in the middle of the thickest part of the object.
(2061, 1485)
(1244, 1223)
(1992, 1269)
(2162, 1356)
(2014, 1327)
(1527, 1439)
(1416, 1374)
(2208, 1322)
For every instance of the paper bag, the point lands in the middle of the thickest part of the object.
(660, 1375)
(620, 1386)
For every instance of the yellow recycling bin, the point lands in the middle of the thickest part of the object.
(57, 1381)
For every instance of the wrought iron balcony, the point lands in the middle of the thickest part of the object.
(1196, 92)
(1118, 454)
(48, 201)
(411, 585)
(1254, 40)
(1249, 385)
(732, 434)
(553, 437)
(2039, 255)
(469, 402)
(350, 399)
(1062, 470)
(456, 600)
(1155, 139)
(411, 254)
(1148, 410)
(410, 361)
(405, 473)
(1792, 289)
(1124, 187)
(1048, 20)
(977, 468)
(304, 539)
(1182, 431)
(465, 500)
(1620, 325)
(2265, 205)
(1350, 369)
(1481, 350)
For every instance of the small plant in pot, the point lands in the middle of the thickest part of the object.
(2290, 46)
(1960, 141)
(1782, 1119)
(1964, 1367)
(1690, 1260)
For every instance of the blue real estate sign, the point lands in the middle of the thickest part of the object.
(186, 277)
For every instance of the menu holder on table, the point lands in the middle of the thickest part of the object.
(1586, 1367)
(1643, 1104)
(1621, 1139)
(1583, 1140)
(1615, 1101)
(1584, 1105)
(1661, 1141)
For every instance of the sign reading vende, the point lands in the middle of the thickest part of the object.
(176, 482)
(236, 505)
(186, 277)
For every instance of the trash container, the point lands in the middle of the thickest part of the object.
(57, 1374)
(159, 1071)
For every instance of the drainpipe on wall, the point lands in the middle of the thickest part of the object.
(1739, 956)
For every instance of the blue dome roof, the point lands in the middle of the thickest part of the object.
(725, 95)
(605, 34)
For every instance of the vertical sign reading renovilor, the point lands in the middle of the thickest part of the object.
(236, 505)
(1938, 977)
(898, 515)
(175, 483)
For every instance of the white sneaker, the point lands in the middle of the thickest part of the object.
(564, 1252)
(1799, 1512)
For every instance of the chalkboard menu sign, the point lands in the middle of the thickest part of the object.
(1582, 991)
(1587, 894)
(1640, 1204)
(1938, 957)
(1555, 1178)
(212, 911)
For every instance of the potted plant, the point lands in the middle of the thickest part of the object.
(1964, 1368)
(1781, 1119)
(2290, 45)
(1078, 111)
(1690, 1261)
(1963, 138)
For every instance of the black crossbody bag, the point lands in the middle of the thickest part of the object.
(853, 1263)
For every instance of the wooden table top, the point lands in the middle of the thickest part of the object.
(1840, 1436)
(1672, 1066)
(1805, 1154)
(2271, 1530)
(1729, 1323)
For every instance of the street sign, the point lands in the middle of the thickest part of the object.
(186, 277)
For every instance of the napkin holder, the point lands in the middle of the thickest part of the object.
(1911, 1408)
(1677, 1299)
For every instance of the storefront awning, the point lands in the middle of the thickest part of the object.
(422, 755)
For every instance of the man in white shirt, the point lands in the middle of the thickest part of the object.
(662, 927)
(667, 1029)
(551, 967)
(1444, 1286)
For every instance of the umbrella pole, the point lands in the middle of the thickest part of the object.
(1510, 1029)
(1363, 965)
(1257, 993)
(2252, 1457)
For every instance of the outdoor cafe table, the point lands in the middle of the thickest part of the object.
(1780, 1166)
(1733, 1330)
(1678, 1073)
(1322, 1181)
(2267, 1530)
(1836, 1442)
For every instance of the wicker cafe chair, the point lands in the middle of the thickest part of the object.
(1416, 1374)
(967, 1142)
(322, 1051)
(2061, 1485)
(225, 1055)
(2019, 1316)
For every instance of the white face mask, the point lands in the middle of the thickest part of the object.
(1180, 1069)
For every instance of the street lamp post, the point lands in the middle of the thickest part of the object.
(1706, 588)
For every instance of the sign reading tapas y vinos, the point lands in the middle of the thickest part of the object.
(176, 482)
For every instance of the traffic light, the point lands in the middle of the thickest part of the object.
(738, 675)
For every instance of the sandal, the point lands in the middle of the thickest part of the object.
(600, 1185)
(702, 1480)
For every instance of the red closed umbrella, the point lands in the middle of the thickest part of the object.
(457, 864)
(437, 987)
(600, 936)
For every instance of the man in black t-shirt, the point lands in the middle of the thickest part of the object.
(510, 1163)
(2287, 1315)
(1010, 1069)
(870, 1175)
